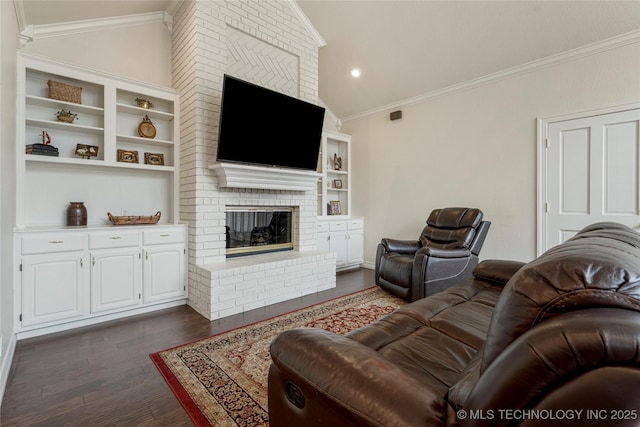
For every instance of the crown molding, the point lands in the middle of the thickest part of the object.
(320, 42)
(33, 32)
(569, 55)
(26, 31)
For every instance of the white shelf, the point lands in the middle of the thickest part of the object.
(51, 124)
(64, 160)
(95, 162)
(54, 103)
(143, 141)
(335, 172)
(153, 114)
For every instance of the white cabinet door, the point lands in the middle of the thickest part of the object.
(323, 242)
(322, 236)
(355, 244)
(54, 287)
(116, 278)
(164, 272)
(338, 244)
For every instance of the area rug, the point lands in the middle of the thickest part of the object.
(222, 380)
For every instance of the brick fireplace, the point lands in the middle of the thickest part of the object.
(267, 43)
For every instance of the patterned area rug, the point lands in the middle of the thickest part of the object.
(222, 380)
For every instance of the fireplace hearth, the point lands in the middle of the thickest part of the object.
(252, 230)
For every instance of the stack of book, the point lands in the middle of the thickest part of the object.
(42, 150)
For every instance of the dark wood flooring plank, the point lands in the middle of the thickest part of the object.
(101, 375)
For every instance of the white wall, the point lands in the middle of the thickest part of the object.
(476, 148)
(8, 44)
(140, 52)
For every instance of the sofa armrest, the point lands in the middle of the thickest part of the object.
(400, 246)
(338, 377)
(444, 253)
(582, 360)
(496, 271)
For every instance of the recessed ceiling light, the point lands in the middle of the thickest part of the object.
(355, 72)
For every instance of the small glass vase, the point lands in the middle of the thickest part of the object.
(76, 214)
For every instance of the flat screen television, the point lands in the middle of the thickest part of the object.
(263, 127)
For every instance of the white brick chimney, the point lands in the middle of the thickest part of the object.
(263, 42)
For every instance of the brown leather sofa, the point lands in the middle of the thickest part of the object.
(445, 254)
(552, 342)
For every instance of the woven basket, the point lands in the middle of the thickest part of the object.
(132, 220)
(65, 92)
(67, 119)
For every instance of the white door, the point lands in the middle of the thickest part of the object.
(592, 174)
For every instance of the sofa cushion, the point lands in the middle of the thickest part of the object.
(456, 319)
(598, 267)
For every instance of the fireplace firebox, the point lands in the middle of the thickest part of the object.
(252, 230)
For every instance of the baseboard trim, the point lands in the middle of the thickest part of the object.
(5, 369)
(369, 265)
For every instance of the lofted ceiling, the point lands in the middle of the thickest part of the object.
(408, 49)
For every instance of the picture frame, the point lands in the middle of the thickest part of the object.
(87, 151)
(337, 183)
(156, 159)
(127, 156)
(334, 207)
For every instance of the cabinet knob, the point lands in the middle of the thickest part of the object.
(115, 237)
(93, 261)
(56, 241)
(165, 235)
(81, 263)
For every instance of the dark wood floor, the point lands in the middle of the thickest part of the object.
(102, 375)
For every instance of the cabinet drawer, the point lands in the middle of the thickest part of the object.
(158, 237)
(47, 243)
(113, 240)
(355, 225)
(322, 227)
(337, 226)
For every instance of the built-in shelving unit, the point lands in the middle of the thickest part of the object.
(334, 187)
(108, 117)
(76, 276)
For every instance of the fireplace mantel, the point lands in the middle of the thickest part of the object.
(236, 175)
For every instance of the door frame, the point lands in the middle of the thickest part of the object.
(542, 125)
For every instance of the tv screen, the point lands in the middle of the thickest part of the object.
(263, 127)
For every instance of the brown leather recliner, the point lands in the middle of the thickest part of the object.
(445, 254)
(552, 342)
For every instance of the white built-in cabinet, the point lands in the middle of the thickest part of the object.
(337, 231)
(73, 276)
(345, 237)
(77, 276)
(334, 165)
